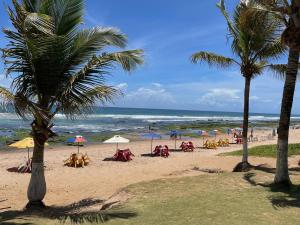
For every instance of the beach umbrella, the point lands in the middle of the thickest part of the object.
(117, 139)
(238, 129)
(214, 133)
(151, 136)
(25, 143)
(174, 133)
(77, 140)
(229, 131)
(202, 133)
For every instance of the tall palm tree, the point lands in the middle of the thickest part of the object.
(57, 67)
(289, 12)
(254, 43)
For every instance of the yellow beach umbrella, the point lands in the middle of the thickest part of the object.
(25, 143)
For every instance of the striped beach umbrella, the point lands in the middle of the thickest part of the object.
(78, 140)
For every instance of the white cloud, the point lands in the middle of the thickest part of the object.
(154, 95)
(254, 98)
(122, 86)
(158, 85)
(220, 97)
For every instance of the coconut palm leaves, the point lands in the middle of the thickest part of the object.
(58, 64)
(212, 59)
(58, 67)
(255, 41)
(288, 11)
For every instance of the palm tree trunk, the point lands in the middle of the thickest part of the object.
(246, 119)
(37, 185)
(244, 165)
(282, 173)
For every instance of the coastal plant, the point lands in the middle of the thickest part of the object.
(255, 42)
(57, 66)
(289, 12)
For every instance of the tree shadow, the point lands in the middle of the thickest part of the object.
(266, 169)
(13, 223)
(73, 213)
(283, 196)
(109, 159)
(175, 150)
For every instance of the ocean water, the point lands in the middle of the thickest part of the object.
(116, 119)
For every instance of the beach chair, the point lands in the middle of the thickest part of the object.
(223, 143)
(239, 141)
(206, 144)
(123, 155)
(162, 151)
(77, 160)
(191, 146)
(25, 167)
(187, 147)
(183, 146)
(210, 144)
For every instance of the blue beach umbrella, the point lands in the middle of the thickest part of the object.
(151, 136)
(202, 133)
(214, 133)
(70, 140)
(229, 131)
(174, 133)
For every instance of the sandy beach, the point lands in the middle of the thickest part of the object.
(104, 177)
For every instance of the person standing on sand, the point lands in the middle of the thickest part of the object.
(251, 134)
(274, 133)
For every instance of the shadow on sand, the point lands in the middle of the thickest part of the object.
(73, 213)
(282, 196)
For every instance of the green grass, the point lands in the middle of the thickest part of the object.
(229, 198)
(266, 151)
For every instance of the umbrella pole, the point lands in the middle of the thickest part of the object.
(28, 152)
(117, 146)
(151, 145)
(78, 148)
(175, 143)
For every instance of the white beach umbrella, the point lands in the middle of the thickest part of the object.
(117, 139)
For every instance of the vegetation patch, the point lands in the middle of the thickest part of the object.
(266, 151)
(228, 198)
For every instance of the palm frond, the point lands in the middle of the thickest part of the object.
(89, 42)
(40, 22)
(129, 60)
(231, 28)
(212, 59)
(278, 70)
(67, 14)
(55, 65)
(80, 102)
(271, 50)
(6, 97)
(279, 8)
(32, 5)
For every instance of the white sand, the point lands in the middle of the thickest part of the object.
(101, 179)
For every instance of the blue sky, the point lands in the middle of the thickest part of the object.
(170, 32)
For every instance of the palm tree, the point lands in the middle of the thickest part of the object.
(57, 67)
(289, 13)
(254, 43)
